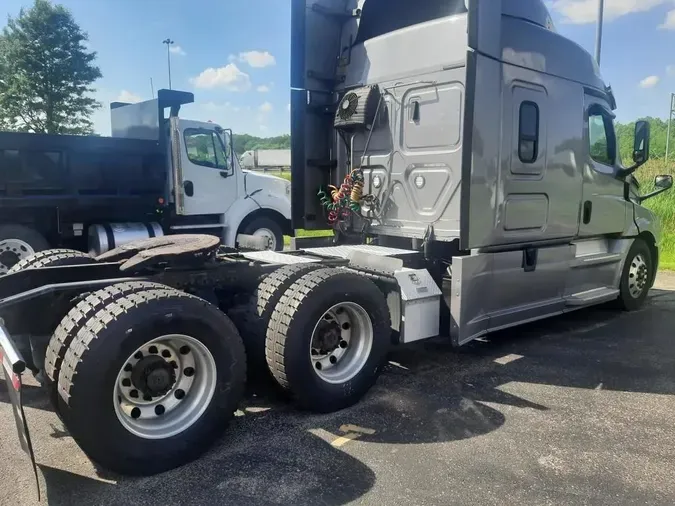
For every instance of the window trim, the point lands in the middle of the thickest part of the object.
(610, 133)
(522, 137)
(198, 131)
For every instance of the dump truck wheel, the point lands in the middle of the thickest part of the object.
(267, 227)
(18, 242)
(151, 380)
(636, 276)
(253, 319)
(52, 258)
(328, 338)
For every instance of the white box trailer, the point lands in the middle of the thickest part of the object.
(464, 154)
(260, 159)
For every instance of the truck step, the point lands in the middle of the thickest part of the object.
(594, 296)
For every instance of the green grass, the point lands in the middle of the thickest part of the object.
(664, 207)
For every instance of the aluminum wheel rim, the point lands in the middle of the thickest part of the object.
(17, 250)
(172, 412)
(637, 276)
(266, 232)
(351, 330)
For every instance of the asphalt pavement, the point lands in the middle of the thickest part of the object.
(574, 410)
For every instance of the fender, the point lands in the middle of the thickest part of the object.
(245, 206)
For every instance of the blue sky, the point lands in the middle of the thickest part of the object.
(235, 54)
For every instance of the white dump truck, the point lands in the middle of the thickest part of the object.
(264, 159)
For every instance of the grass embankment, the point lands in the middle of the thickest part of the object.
(663, 205)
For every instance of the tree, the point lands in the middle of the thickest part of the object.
(246, 142)
(46, 72)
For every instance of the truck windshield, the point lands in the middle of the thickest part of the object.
(384, 16)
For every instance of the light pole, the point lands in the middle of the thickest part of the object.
(598, 34)
(670, 120)
(168, 43)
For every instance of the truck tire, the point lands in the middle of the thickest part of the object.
(267, 227)
(18, 242)
(79, 315)
(178, 351)
(52, 258)
(328, 339)
(253, 319)
(636, 276)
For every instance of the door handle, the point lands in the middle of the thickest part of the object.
(189, 188)
(588, 209)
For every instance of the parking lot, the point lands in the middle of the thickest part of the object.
(574, 410)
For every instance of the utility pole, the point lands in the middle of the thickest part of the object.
(168, 43)
(598, 35)
(670, 120)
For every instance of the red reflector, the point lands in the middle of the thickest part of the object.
(160, 200)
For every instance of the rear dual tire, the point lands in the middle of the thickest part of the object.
(328, 339)
(146, 432)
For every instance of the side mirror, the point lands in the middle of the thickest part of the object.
(664, 182)
(641, 144)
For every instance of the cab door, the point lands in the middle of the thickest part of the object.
(205, 177)
(603, 204)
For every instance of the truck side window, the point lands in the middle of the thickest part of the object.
(528, 132)
(204, 147)
(601, 138)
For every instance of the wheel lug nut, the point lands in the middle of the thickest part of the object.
(184, 350)
(138, 355)
(343, 344)
(188, 371)
(134, 394)
(174, 364)
(153, 350)
(135, 413)
(333, 359)
(147, 398)
(126, 382)
(179, 394)
(318, 366)
(128, 368)
(159, 410)
(166, 353)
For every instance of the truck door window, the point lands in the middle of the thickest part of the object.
(204, 147)
(601, 138)
(528, 132)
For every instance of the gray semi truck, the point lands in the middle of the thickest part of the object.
(464, 155)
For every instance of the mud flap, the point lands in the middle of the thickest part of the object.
(13, 367)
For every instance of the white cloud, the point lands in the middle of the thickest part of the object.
(177, 50)
(650, 82)
(263, 128)
(266, 107)
(256, 59)
(128, 97)
(228, 77)
(263, 88)
(669, 23)
(586, 11)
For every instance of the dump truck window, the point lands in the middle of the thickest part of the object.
(601, 139)
(384, 16)
(204, 147)
(528, 132)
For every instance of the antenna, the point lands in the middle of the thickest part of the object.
(152, 89)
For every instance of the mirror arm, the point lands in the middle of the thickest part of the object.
(627, 171)
(652, 194)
